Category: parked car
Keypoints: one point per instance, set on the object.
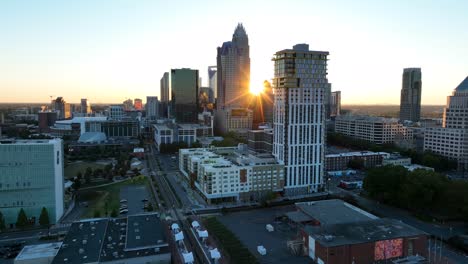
(144, 200)
(123, 201)
(123, 211)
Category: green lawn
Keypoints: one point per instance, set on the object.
(98, 197)
(72, 169)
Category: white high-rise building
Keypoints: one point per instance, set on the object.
(152, 107)
(300, 84)
(31, 177)
(451, 140)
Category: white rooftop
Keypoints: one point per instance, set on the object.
(39, 251)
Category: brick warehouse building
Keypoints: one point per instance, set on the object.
(334, 232)
(363, 242)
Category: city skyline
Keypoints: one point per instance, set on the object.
(82, 50)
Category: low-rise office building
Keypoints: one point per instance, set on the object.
(237, 120)
(397, 160)
(378, 130)
(260, 140)
(231, 173)
(168, 133)
(31, 177)
(340, 161)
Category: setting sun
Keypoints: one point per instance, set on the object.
(256, 88)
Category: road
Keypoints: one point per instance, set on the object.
(172, 205)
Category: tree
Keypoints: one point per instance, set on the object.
(76, 184)
(44, 218)
(22, 220)
(97, 213)
(150, 207)
(114, 213)
(79, 175)
(88, 174)
(2, 222)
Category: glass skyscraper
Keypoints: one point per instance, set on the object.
(184, 89)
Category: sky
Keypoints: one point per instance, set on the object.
(111, 50)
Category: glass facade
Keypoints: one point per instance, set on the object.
(184, 88)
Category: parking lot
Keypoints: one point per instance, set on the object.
(134, 194)
(249, 226)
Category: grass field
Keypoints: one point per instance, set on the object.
(110, 194)
(72, 169)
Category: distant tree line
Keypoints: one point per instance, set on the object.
(230, 139)
(438, 162)
(421, 191)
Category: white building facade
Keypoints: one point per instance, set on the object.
(378, 130)
(300, 85)
(152, 107)
(221, 174)
(31, 177)
(451, 140)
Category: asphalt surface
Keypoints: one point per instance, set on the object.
(250, 228)
(134, 194)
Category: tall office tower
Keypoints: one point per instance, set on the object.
(85, 106)
(138, 104)
(451, 140)
(206, 98)
(152, 107)
(62, 108)
(300, 83)
(184, 95)
(410, 100)
(335, 104)
(128, 104)
(164, 92)
(31, 178)
(233, 65)
(213, 79)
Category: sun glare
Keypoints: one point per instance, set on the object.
(256, 88)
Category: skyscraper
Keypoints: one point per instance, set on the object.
(335, 104)
(213, 79)
(184, 89)
(152, 107)
(62, 108)
(85, 106)
(138, 104)
(164, 91)
(300, 83)
(233, 65)
(410, 100)
(451, 140)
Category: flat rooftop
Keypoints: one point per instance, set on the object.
(103, 240)
(48, 250)
(329, 212)
(83, 242)
(138, 225)
(357, 154)
(361, 232)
